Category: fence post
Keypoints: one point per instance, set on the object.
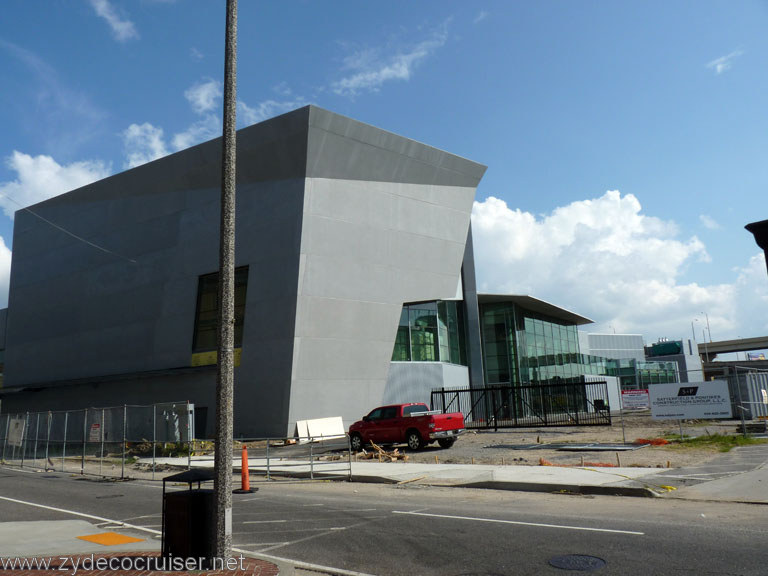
(64, 444)
(125, 431)
(311, 462)
(268, 459)
(349, 457)
(37, 437)
(7, 429)
(493, 410)
(24, 443)
(101, 452)
(85, 438)
(735, 378)
(154, 437)
(48, 439)
(189, 438)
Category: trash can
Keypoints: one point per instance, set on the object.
(189, 524)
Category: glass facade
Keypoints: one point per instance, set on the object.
(520, 347)
(523, 347)
(431, 332)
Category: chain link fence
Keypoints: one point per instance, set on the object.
(96, 440)
(749, 398)
(114, 441)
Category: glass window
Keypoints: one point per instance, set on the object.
(424, 339)
(389, 412)
(206, 318)
(402, 351)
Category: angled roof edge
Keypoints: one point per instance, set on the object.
(535, 305)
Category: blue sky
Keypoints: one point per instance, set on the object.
(625, 141)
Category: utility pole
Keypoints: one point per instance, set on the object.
(226, 319)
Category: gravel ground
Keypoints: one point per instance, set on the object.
(504, 446)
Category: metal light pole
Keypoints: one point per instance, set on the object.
(709, 332)
(226, 319)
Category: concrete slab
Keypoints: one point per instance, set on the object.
(60, 537)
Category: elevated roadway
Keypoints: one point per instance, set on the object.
(708, 350)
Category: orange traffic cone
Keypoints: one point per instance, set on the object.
(245, 480)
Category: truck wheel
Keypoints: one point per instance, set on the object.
(356, 442)
(413, 439)
(446, 442)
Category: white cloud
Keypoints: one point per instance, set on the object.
(709, 222)
(720, 65)
(204, 129)
(605, 259)
(248, 115)
(373, 67)
(143, 143)
(41, 177)
(196, 54)
(122, 28)
(204, 97)
(480, 17)
(282, 89)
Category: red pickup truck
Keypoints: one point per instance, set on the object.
(412, 424)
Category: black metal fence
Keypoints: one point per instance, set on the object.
(579, 404)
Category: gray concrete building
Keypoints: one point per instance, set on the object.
(338, 225)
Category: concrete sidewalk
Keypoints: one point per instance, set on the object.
(740, 475)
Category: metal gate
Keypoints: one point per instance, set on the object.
(577, 404)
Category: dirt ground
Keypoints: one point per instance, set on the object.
(505, 446)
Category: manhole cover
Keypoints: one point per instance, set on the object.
(577, 562)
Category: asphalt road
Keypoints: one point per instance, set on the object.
(389, 530)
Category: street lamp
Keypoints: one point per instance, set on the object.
(708, 330)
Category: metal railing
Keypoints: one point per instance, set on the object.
(572, 404)
(274, 458)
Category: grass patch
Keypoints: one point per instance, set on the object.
(720, 442)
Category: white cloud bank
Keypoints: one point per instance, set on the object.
(41, 177)
(606, 260)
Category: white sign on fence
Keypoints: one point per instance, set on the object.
(635, 399)
(683, 401)
(16, 431)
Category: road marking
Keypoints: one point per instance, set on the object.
(302, 565)
(81, 514)
(298, 564)
(18, 469)
(264, 521)
(250, 499)
(536, 524)
(262, 544)
(145, 516)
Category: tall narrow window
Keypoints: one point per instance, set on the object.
(206, 332)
